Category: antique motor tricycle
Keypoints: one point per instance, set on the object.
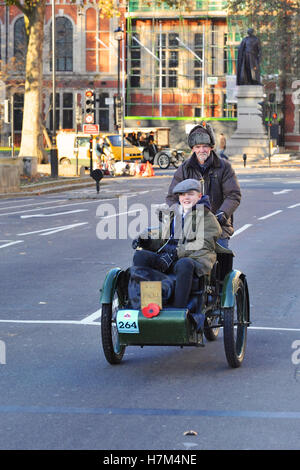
(221, 298)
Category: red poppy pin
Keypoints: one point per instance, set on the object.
(152, 310)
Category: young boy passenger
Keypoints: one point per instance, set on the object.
(185, 241)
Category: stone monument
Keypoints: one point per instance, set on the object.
(250, 137)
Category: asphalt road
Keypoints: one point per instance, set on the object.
(58, 391)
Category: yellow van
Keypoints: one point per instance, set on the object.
(113, 142)
(72, 146)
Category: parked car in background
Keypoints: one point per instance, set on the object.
(73, 148)
(154, 142)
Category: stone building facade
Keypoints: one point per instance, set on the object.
(175, 65)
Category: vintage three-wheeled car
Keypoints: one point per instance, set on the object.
(221, 298)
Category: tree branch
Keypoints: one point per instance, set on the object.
(19, 5)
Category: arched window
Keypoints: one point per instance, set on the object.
(64, 45)
(20, 43)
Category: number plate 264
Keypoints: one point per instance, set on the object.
(127, 321)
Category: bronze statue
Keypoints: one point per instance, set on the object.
(249, 55)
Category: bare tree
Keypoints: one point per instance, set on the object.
(32, 135)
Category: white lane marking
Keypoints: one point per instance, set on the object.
(120, 213)
(98, 201)
(19, 200)
(283, 191)
(51, 230)
(240, 230)
(50, 322)
(52, 215)
(80, 322)
(33, 204)
(92, 317)
(294, 205)
(271, 328)
(269, 215)
(10, 243)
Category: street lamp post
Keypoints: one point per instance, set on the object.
(53, 152)
(118, 34)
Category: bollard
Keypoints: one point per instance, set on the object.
(97, 175)
(245, 159)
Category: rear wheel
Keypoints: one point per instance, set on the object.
(163, 161)
(211, 333)
(236, 320)
(110, 337)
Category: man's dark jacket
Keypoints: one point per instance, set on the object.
(220, 184)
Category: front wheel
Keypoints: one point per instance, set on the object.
(110, 337)
(236, 321)
(163, 161)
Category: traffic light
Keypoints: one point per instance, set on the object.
(274, 116)
(89, 117)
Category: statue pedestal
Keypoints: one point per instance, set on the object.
(250, 136)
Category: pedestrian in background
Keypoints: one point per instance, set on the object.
(222, 146)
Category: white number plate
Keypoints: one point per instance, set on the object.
(127, 321)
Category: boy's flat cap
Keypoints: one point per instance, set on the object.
(188, 185)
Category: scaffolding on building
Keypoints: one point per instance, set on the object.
(196, 51)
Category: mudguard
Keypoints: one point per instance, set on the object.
(230, 287)
(109, 284)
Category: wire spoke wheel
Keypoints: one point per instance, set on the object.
(235, 327)
(109, 332)
(163, 161)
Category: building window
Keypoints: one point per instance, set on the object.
(170, 60)
(103, 112)
(230, 52)
(198, 49)
(57, 103)
(64, 45)
(214, 49)
(67, 110)
(225, 54)
(64, 111)
(229, 109)
(20, 43)
(135, 68)
(18, 111)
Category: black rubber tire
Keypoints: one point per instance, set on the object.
(235, 327)
(211, 334)
(110, 339)
(163, 161)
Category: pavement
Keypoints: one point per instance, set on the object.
(67, 179)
